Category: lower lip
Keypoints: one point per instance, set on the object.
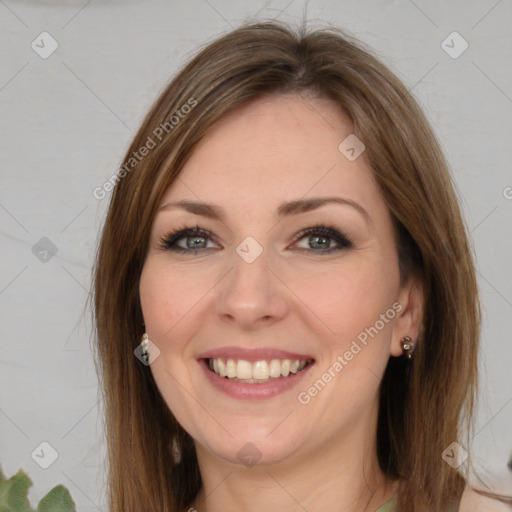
(245, 391)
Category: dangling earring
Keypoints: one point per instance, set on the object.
(142, 351)
(407, 346)
(145, 347)
(176, 452)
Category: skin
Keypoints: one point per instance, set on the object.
(272, 150)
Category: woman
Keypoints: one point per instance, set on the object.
(285, 255)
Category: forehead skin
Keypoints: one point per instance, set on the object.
(276, 149)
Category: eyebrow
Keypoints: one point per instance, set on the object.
(296, 207)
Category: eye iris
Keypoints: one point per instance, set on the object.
(320, 237)
(194, 244)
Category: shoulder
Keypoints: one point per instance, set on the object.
(472, 501)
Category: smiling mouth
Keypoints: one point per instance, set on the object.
(257, 372)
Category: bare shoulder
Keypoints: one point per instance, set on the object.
(473, 501)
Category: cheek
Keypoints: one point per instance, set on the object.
(348, 300)
(172, 300)
(153, 297)
(165, 296)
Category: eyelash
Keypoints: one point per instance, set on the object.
(168, 241)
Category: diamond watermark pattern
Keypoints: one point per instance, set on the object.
(454, 45)
(351, 147)
(44, 455)
(454, 455)
(249, 454)
(249, 249)
(44, 250)
(44, 45)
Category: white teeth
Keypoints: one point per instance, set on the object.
(222, 368)
(259, 371)
(275, 368)
(243, 370)
(231, 369)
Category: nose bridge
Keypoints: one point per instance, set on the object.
(251, 291)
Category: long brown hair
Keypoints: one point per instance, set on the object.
(426, 404)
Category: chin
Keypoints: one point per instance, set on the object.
(253, 452)
(263, 445)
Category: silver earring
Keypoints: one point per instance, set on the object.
(407, 346)
(145, 347)
(176, 453)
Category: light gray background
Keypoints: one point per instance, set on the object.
(67, 120)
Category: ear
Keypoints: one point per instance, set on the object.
(409, 319)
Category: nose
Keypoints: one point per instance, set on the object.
(252, 295)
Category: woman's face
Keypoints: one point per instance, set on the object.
(257, 295)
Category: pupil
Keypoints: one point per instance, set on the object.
(325, 245)
(194, 244)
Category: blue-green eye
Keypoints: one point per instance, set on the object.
(196, 239)
(317, 236)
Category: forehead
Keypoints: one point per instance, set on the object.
(273, 149)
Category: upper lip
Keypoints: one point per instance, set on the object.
(252, 354)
